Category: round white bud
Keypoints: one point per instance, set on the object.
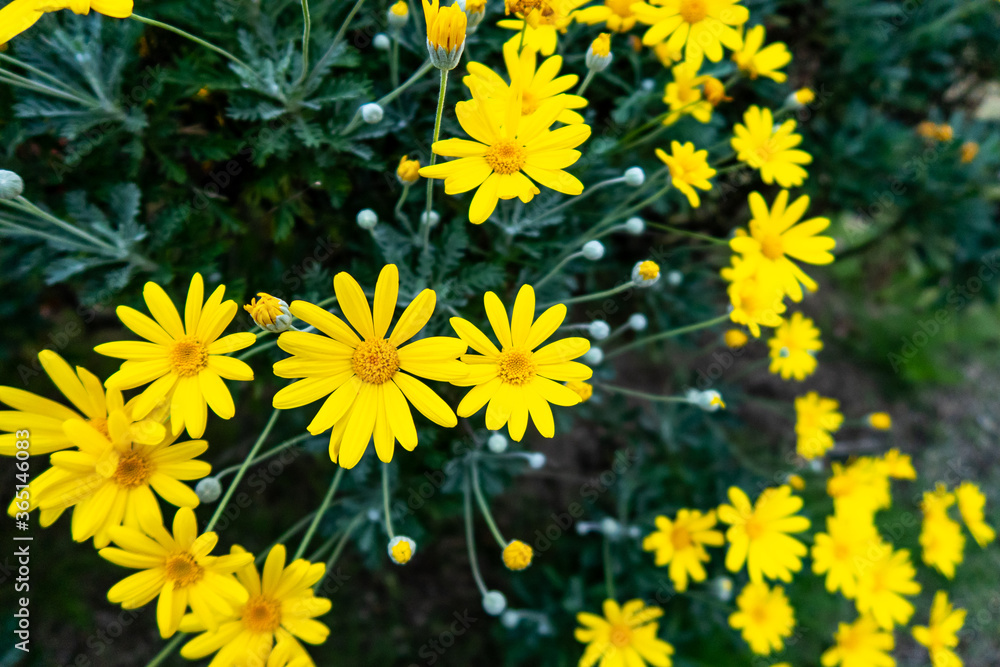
(593, 357)
(497, 443)
(494, 603)
(648, 84)
(635, 226)
(635, 176)
(599, 330)
(208, 489)
(638, 322)
(593, 250)
(610, 528)
(11, 185)
(722, 588)
(536, 460)
(675, 278)
(401, 549)
(434, 218)
(510, 618)
(382, 42)
(371, 113)
(367, 218)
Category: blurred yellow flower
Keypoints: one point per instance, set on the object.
(617, 15)
(516, 379)
(20, 15)
(880, 421)
(941, 539)
(861, 487)
(735, 338)
(583, 389)
(688, 169)
(887, 576)
(860, 644)
(680, 543)
(367, 379)
(816, 419)
(969, 151)
(971, 502)
(715, 91)
(546, 20)
(701, 27)
(940, 635)
(770, 149)
(755, 61)
(685, 97)
(899, 466)
(517, 555)
(626, 635)
(793, 348)
(760, 535)
(408, 171)
(764, 616)
(757, 300)
(185, 361)
(840, 553)
(279, 612)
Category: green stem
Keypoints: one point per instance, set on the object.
(242, 471)
(470, 542)
(319, 513)
(306, 30)
(385, 501)
(18, 230)
(339, 549)
(37, 72)
(609, 577)
(399, 209)
(26, 206)
(586, 82)
(167, 650)
(641, 394)
(196, 40)
(566, 260)
(684, 232)
(28, 84)
(382, 101)
(291, 442)
(483, 507)
(663, 335)
(576, 200)
(599, 295)
(298, 527)
(394, 61)
(442, 89)
(343, 27)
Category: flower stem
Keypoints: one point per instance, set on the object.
(586, 82)
(37, 72)
(24, 82)
(26, 206)
(399, 209)
(394, 61)
(469, 541)
(325, 505)
(558, 267)
(242, 471)
(641, 394)
(306, 30)
(389, 97)
(663, 335)
(196, 40)
(385, 501)
(167, 650)
(297, 528)
(291, 442)
(599, 295)
(341, 543)
(684, 232)
(483, 507)
(442, 89)
(609, 577)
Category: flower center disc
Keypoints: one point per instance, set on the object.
(183, 569)
(262, 614)
(375, 361)
(772, 247)
(754, 528)
(680, 538)
(506, 157)
(693, 11)
(621, 636)
(188, 357)
(516, 367)
(133, 470)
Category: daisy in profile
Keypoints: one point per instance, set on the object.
(971, 502)
(506, 151)
(888, 577)
(779, 235)
(770, 149)
(178, 570)
(625, 635)
(114, 479)
(279, 613)
(860, 644)
(44, 418)
(837, 552)
(793, 348)
(764, 616)
(365, 375)
(688, 169)
(701, 27)
(519, 378)
(816, 419)
(755, 61)
(759, 535)
(184, 360)
(539, 84)
(680, 543)
(940, 635)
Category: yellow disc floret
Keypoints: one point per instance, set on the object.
(506, 157)
(515, 366)
(188, 357)
(375, 361)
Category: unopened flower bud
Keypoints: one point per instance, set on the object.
(635, 226)
(800, 98)
(371, 113)
(536, 460)
(610, 528)
(638, 322)
(401, 549)
(270, 313)
(645, 274)
(599, 329)
(880, 421)
(593, 356)
(446, 28)
(408, 171)
(497, 443)
(735, 338)
(367, 219)
(475, 12)
(382, 42)
(675, 278)
(709, 400)
(431, 219)
(599, 54)
(593, 250)
(517, 555)
(635, 176)
(11, 185)
(208, 490)
(494, 603)
(398, 14)
(722, 588)
(582, 389)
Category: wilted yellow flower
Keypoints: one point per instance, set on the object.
(517, 555)
(408, 171)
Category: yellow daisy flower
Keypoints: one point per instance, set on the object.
(516, 379)
(367, 377)
(44, 418)
(940, 635)
(793, 348)
(681, 543)
(626, 635)
(757, 300)
(701, 27)
(759, 535)
(971, 502)
(837, 553)
(688, 169)
(770, 149)
(546, 19)
(861, 488)
(266, 629)
(755, 61)
(178, 570)
(539, 84)
(777, 237)
(894, 464)
(20, 15)
(185, 360)
(764, 616)
(506, 151)
(860, 644)
(114, 478)
(617, 15)
(685, 95)
(885, 579)
(941, 539)
(817, 418)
